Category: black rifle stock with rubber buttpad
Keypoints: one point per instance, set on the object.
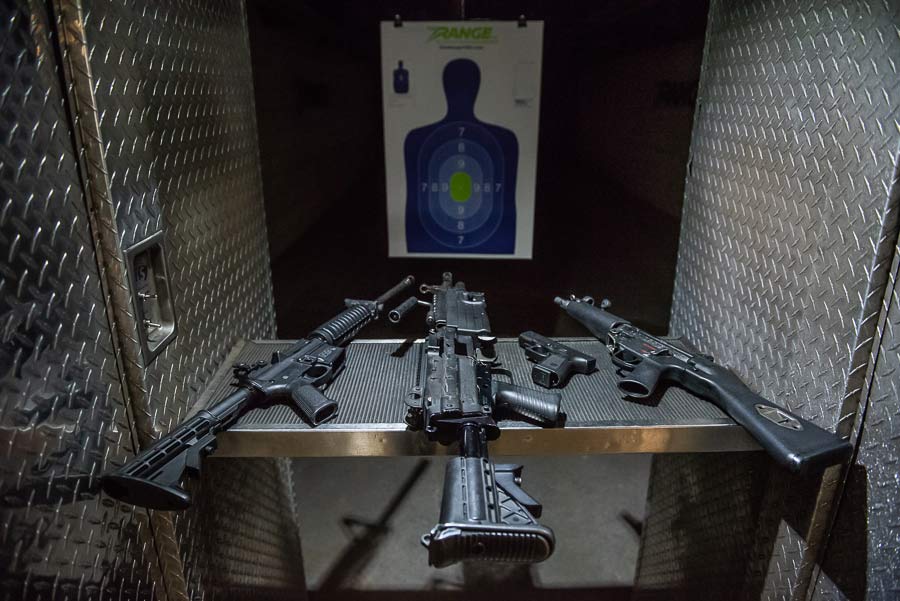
(152, 478)
(485, 515)
(645, 360)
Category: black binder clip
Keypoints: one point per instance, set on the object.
(522, 21)
(398, 22)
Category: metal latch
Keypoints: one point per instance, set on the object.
(151, 294)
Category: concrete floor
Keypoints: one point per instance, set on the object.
(592, 503)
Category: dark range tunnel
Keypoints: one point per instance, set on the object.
(617, 101)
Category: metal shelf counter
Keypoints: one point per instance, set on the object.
(371, 394)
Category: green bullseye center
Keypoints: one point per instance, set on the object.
(460, 186)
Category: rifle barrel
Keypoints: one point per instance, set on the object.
(402, 285)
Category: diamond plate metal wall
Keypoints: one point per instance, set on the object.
(163, 99)
(173, 94)
(249, 546)
(680, 560)
(63, 418)
(862, 559)
(786, 241)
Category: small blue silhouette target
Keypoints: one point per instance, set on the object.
(461, 176)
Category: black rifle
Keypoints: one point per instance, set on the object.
(151, 479)
(644, 360)
(553, 361)
(485, 515)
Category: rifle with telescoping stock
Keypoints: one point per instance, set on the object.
(485, 515)
(643, 360)
(294, 377)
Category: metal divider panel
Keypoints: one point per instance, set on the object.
(787, 233)
(786, 203)
(62, 415)
(246, 532)
(680, 560)
(173, 89)
(174, 94)
(862, 559)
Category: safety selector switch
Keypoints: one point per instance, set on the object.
(151, 293)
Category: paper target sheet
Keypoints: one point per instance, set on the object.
(461, 105)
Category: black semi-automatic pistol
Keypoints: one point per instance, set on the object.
(554, 361)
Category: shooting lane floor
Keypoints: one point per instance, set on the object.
(591, 503)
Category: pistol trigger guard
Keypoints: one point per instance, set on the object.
(622, 365)
(624, 359)
(537, 353)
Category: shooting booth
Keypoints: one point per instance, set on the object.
(726, 173)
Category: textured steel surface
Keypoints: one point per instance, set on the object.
(862, 558)
(249, 547)
(174, 99)
(164, 103)
(787, 233)
(786, 217)
(372, 389)
(684, 554)
(825, 588)
(63, 418)
(879, 454)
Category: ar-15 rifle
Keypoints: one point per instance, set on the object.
(484, 513)
(152, 478)
(644, 360)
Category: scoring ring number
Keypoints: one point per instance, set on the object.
(779, 417)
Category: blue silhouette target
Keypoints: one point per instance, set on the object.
(461, 176)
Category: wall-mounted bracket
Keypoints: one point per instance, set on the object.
(151, 295)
